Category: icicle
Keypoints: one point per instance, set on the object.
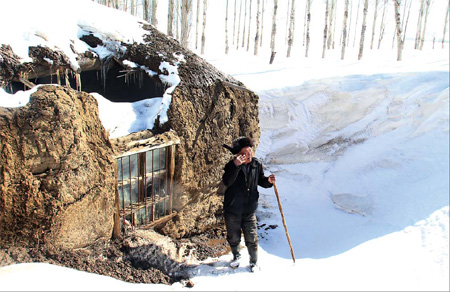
(78, 80)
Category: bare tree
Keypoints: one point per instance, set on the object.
(287, 21)
(363, 29)
(274, 31)
(445, 24)
(307, 27)
(399, 30)
(356, 23)
(330, 26)
(405, 24)
(257, 27)
(245, 19)
(234, 21)
(291, 29)
(382, 26)
(239, 25)
(186, 6)
(419, 26)
(350, 24)
(154, 14)
(249, 24)
(177, 19)
(226, 30)
(344, 30)
(325, 30)
(374, 23)
(197, 21)
(145, 10)
(262, 23)
(170, 19)
(205, 6)
(422, 39)
(304, 23)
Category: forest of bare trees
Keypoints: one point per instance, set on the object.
(342, 23)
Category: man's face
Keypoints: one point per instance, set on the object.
(248, 153)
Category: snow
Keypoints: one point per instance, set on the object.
(361, 154)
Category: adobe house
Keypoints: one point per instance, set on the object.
(64, 182)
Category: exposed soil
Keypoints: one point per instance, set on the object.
(111, 259)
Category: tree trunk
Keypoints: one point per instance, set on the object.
(245, 19)
(262, 24)
(274, 30)
(307, 27)
(382, 24)
(330, 26)
(197, 21)
(287, 21)
(170, 19)
(325, 30)
(249, 24)
(257, 27)
(363, 29)
(177, 19)
(399, 30)
(145, 10)
(445, 24)
(154, 14)
(407, 19)
(304, 23)
(350, 23)
(239, 25)
(419, 26)
(291, 29)
(205, 6)
(374, 23)
(226, 30)
(422, 39)
(186, 6)
(234, 22)
(344, 30)
(356, 23)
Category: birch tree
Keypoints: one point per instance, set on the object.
(249, 24)
(197, 22)
(399, 30)
(374, 23)
(262, 23)
(205, 6)
(382, 27)
(356, 23)
(234, 22)
(350, 24)
(330, 26)
(258, 3)
(445, 23)
(154, 13)
(245, 19)
(363, 29)
(308, 20)
(226, 30)
(177, 19)
(422, 39)
(170, 19)
(344, 30)
(186, 6)
(291, 28)
(239, 25)
(274, 31)
(325, 30)
(145, 15)
(419, 26)
(287, 21)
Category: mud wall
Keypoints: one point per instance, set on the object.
(57, 177)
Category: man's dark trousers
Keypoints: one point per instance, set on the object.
(247, 223)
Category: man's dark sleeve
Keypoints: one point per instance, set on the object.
(262, 179)
(231, 173)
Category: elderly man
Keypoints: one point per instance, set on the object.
(242, 176)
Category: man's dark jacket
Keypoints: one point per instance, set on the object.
(241, 196)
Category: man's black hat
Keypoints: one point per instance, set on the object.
(240, 143)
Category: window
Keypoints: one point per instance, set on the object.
(145, 185)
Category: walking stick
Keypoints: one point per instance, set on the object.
(284, 222)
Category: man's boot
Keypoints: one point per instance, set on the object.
(236, 257)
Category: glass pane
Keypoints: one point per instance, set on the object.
(134, 191)
(119, 169)
(149, 161)
(162, 158)
(134, 165)
(149, 188)
(149, 213)
(126, 194)
(156, 160)
(126, 167)
(120, 197)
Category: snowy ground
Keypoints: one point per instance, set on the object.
(361, 154)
